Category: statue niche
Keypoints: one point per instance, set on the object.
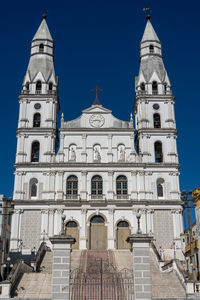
(97, 153)
(121, 153)
(72, 152)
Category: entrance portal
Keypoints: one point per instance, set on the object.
(97, 234)
(72, 229)
(123, 231)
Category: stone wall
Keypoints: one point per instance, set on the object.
(31, 228)
(163, 228)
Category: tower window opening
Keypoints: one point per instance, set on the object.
(165, 87)
(72, 186)
(41, 48)
(154, 87)
(151, 48)
(158, 152)
(96, 186)
(142, 86)
(27, 86)
(156, 121)
(33, 187)
(36, 120)
(38, 86)
(35, 152)
(121, 185)
(50, 86)
(160, 187)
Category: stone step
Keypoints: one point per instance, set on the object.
(165, 285)
(34, 285)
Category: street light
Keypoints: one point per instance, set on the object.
(138, 216)
(7, 266)
(63, 224)
(185, 197)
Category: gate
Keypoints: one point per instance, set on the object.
(101, 283)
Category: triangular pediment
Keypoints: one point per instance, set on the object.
(96, 109)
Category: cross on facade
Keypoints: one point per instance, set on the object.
(96, 90)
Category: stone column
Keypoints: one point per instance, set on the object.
(141, 265)
(61, 266)
(110, 154)
(83, 192)
(110, 192)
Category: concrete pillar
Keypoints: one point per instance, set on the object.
(61, 266)
(141, 265)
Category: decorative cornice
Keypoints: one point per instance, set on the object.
(96, 165)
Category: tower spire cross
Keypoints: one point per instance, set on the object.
(147, 10)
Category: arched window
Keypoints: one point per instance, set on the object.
(33, 187)
(160, 187)
(151, 48)
(156, 121)
(36, 120)
(35, 152)
(97, 219)
(41, 48)
(71, 224)
(154, 87)
(142, 86)
(121, 185)
(158, 152)
(96, 186)
(38, 86)
(27, 86)
(50, 86)
(122, 224)
(72, 186)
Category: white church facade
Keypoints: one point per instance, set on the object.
(104, 169)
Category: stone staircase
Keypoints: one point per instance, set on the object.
(38, 285)
(165, 284)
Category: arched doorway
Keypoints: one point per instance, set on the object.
(97, 233)
(123, 231)
(71, 228)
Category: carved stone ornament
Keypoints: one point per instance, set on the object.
(97, 120)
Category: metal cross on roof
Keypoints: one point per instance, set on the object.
(96, 90)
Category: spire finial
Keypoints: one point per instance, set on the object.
(44, 16)
(148, 12)
(96, 90)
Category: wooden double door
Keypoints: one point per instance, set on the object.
(97, 234)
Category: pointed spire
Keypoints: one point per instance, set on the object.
(43, 30)
(149, 33)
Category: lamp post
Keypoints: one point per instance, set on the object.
(7, 267)
(63, 217)
(138, 216)
(185, 197)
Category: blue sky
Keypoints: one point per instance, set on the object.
(98, 42)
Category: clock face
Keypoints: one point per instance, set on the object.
(37, 106)
(156, 106)
(97, 120)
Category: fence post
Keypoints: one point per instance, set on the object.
(141, 265)
(61, 266)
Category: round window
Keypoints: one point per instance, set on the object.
(156, 106)
(37, 105)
